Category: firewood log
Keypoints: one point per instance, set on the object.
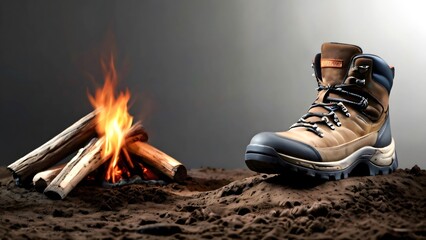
(158, 160)
(87, 159)
(42, 179)
(53, 151)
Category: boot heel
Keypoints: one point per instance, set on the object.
(384, 160)
(384, 156)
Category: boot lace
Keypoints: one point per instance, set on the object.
(333, 105)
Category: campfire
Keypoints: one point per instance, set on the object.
(106, 140)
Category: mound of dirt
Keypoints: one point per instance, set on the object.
(221, 203)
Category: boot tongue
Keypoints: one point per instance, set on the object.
(335, 60)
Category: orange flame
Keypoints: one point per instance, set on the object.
(113, 119)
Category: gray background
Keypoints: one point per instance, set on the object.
(205, 75)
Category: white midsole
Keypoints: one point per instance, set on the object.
(378, 156)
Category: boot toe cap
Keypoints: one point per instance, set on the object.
(286, 146)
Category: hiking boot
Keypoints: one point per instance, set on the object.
(347, 127)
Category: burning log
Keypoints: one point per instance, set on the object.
(53, 151)
(158, 160)
(87, 160)
(42, 179)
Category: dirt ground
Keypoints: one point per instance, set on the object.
(224, 204)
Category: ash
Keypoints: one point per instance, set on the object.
(133, 180)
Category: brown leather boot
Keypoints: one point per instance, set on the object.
(347, 125)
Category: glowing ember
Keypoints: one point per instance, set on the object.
(113, 120)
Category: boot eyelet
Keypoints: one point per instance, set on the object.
(360, 82)
(363, 68)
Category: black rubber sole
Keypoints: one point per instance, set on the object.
(264, 159)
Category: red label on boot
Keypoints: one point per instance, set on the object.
(333, 63)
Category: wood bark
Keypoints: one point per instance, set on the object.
(53, 151)
(42, 179)
(158, 160)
